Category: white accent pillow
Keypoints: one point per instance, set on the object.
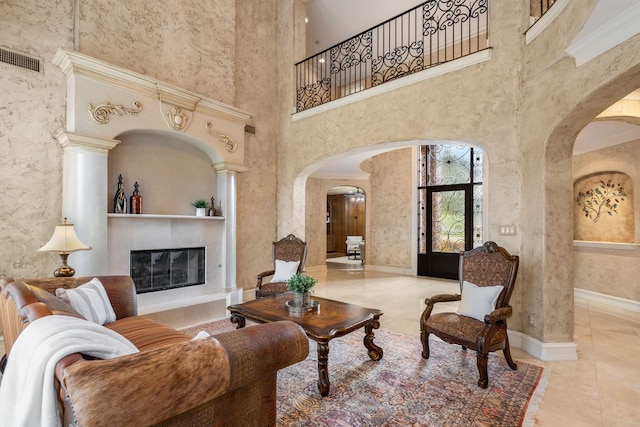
(284, 270)
(478, 301)
(90, 301)
(201, 335)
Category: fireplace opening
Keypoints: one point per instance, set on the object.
(162, 269)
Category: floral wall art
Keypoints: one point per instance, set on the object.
(603, 208)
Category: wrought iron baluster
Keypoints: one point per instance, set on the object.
(443, 29)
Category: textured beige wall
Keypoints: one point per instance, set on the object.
(611, 271)
(256, 91)
(31, 109)
(389, 239)
(188, 43)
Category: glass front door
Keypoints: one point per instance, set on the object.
(450, 208)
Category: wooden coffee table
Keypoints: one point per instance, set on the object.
(330, 320)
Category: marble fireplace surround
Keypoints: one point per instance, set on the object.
(106, 101)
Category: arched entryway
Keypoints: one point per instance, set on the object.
(557, 269)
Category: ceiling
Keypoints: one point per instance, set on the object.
(331, 22)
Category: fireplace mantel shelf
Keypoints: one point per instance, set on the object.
(148, 216)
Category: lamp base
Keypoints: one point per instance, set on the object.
(64, 270)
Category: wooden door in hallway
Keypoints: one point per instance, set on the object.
(345, 217)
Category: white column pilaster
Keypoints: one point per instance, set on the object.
(227, 195)
(84, 197)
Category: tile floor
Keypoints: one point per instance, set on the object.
(601, 388)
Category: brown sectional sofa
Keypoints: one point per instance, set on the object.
(227, 380)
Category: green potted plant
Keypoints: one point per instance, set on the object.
(201, 207)
(300, 284)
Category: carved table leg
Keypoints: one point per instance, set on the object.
(323, 368)
(375, 352)
(238, 320)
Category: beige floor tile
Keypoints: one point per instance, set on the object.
(557, 403)
(600, 389)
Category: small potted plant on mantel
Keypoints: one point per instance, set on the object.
(201, 207)
(300, 284)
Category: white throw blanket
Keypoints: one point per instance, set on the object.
(27, 393)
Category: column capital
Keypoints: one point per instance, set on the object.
(229, 167)
(70, 141)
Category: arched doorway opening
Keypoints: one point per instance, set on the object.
(558, 195)
(346, 223)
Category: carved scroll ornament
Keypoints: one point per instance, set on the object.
(229, 144)
(101, 112)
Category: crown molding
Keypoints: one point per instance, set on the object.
(615, 31)
(74, 63)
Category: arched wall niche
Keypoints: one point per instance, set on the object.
(604, 207)
(172, 170)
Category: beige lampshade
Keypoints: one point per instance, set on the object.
(64, 240)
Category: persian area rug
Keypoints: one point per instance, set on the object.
(402, 389)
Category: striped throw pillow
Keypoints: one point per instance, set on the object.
(90, 300)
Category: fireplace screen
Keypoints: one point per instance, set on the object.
(161, 269)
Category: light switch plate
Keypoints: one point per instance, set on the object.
(508, 230)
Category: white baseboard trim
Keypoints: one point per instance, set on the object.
(567, 350)
(548, 352)
(612, 301)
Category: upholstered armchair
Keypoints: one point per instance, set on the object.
(487, 276)
(289, 256)
(353, 245)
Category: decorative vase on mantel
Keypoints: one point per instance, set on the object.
(120, 200)
(136, 200)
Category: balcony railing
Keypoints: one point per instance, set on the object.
(433, 33)
(539, 8)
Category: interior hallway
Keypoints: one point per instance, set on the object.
(601, 388)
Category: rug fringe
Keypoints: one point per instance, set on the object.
(529, 418)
